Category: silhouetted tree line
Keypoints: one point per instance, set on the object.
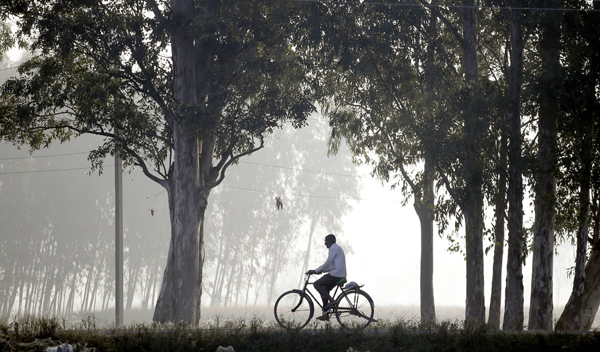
(466, 103)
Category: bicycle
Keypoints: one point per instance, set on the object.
(353, 308)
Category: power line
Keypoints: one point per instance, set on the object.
(477, 7)
(241, 162)
(309, 196)
(42, 156)
(55, 170)
(226, 186)
(304, 170)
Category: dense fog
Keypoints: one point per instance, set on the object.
(57, 237)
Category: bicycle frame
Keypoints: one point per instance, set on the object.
(306, 290)
(353, 308)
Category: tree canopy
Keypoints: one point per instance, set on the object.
(180, 89)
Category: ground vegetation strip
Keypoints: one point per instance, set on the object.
(256, 335)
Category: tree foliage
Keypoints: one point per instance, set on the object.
(105, 69)
(180, 89)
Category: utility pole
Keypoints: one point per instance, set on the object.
(118, 241)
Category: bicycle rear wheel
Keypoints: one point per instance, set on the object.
(293, 310)
(355, 310)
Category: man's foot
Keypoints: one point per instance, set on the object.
(324, 317)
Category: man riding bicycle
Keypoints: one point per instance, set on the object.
(335, 266)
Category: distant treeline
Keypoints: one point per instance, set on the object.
(57, 234)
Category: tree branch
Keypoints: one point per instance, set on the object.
(158, 14)
(449, 187)
(439, 15)
(224, 164)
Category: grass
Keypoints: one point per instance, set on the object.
(256, 334)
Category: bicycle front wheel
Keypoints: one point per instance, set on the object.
(355, 310)
(293, 310)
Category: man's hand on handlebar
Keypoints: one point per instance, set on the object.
(311, 272)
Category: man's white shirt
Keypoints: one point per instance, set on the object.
(335, 263)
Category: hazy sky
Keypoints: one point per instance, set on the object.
(385, 236)
(385, 239)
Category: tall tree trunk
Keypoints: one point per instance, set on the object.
(221, 273)
(181, 290)
(514, 300)
(21, 294)
(106, 297)
(591, 288)
(231, 277)
(27, 292)
(541, 306)
(155, 285)
(87, 290)
(575, 318)
(12, 292)
(251, 276)
(473, 203)
(424, 193)
(71, 299)
(590, 299)
(95, 294)
(475, 303)
(131, 284)
(216, 289)
(150, 282)
(238, 289)
(425, 210)
(47, 292)
(582, 232)
(313, 223)
(500, 207)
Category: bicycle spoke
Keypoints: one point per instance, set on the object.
(293, 310)
(355, 310)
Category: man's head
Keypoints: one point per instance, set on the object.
(329, 240)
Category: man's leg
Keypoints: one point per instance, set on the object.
(325, 284)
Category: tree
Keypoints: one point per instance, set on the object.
(513, 316)
(545, 182)
(104, 69)
(497, 189)
(389, 120)
(409, 93)
(463, 167)
(472, 203)
(578, 164)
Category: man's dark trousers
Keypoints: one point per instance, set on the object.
(324, 285)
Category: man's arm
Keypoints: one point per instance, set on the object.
(333, 250)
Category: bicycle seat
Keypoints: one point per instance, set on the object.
(341, 282)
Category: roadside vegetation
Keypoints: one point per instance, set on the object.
(29, 333)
